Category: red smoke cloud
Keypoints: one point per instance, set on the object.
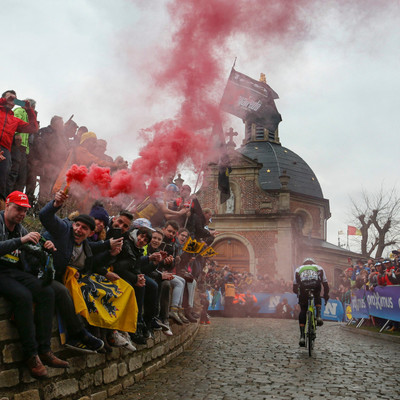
(193, 67)
(76, 174)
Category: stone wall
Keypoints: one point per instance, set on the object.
(90, 376)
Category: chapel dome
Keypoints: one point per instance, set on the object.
(275, 160)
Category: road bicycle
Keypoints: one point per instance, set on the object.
(311, 322)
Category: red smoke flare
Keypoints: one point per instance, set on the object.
(193, 66)
(99, 177)
(76, 174)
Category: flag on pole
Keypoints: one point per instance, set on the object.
(247, 99)
(352, 230)
(193, 246)
(208, 252)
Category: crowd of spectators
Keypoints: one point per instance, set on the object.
(113, 278)
(216, 277)
(34, 157)
(368, 274)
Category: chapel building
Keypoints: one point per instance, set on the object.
(276, 215)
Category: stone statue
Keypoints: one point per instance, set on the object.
(230, 204)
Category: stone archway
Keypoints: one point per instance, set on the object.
(236, 251)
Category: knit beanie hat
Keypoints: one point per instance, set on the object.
(99, 212)
(86, 219)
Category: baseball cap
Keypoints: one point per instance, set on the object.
(142, 223)
(18, 198)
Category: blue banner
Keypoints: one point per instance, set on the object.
(267, 302)
(383, 302)
(333, 311)
(359, 305)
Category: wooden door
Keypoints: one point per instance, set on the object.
(233, 253)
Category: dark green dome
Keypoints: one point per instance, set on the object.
(275, 160)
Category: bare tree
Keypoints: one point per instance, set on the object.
(377, 216)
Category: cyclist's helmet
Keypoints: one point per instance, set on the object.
(308, 261)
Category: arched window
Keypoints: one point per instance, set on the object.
(304, 221)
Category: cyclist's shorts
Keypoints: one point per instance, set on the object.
(303, 297)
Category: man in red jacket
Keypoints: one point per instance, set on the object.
(9, 124)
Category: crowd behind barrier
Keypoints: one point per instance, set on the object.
(368, 291)
(364, 290)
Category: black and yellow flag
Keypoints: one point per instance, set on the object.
(193, 246)
(208, 252)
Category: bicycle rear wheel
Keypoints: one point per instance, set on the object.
(310, 333)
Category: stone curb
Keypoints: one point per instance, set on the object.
(382, 336)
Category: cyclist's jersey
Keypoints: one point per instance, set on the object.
(309, 276)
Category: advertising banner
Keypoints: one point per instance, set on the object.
(333, 311)
(359, 305)
(268, 303)
(383, 302)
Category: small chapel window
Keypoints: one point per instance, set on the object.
(260, 133)
(271, 135)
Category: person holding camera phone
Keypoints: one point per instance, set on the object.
(133, 266)
(75, 252)
(9, 124)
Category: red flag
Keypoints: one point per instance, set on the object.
(352, 230)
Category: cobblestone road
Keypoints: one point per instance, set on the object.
(240, 359)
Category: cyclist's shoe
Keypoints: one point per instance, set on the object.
(320, 322)
(302, 341)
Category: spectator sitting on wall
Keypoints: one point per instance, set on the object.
(23, 289)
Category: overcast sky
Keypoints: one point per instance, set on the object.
(338, 83)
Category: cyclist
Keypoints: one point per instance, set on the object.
(309, 276)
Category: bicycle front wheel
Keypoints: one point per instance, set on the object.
(310, 333)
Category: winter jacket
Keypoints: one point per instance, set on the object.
(9, 124)
(9, 256)
(60, 232)
(131, 261)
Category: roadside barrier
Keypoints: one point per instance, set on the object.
(268, 302)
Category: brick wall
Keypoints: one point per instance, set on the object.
(252, 198)
(90, 376)
(263, 243)
(316, 214)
